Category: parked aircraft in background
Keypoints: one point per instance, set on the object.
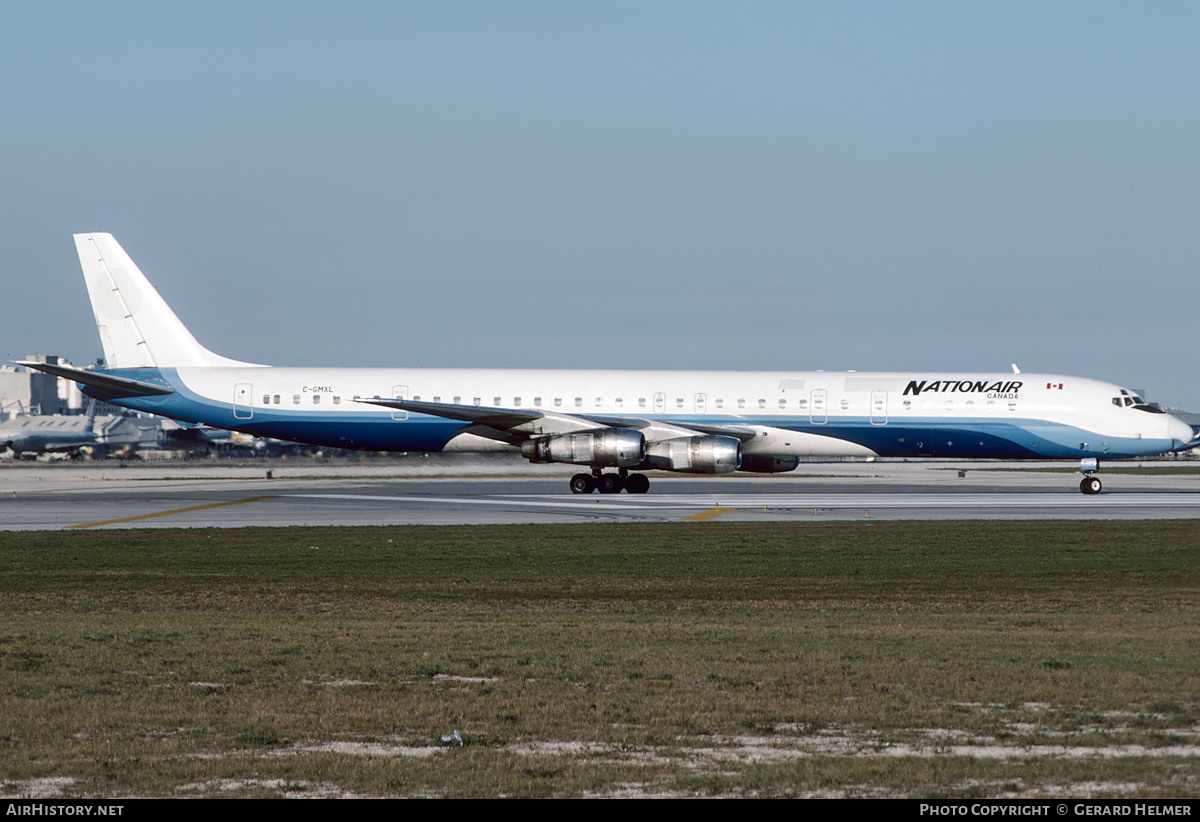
(614, 424)
(206, 438)
(41, 433)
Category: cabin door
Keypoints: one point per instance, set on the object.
(243, 401)
(879, 402)
(818, 410)
(399, 392)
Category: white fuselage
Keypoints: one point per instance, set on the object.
(792, 413)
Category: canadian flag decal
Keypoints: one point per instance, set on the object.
(1052, 385)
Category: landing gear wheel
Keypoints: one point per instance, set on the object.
(582, 484)
(1090, 485)
(637, 484)
(610, 483)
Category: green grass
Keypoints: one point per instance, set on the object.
(727, 659)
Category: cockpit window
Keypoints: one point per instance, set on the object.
(1129, 400)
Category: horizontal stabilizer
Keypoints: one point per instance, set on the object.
(115, 386)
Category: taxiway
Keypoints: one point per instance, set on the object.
(225, 495)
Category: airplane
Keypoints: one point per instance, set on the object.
(613, 424)
(42, 433)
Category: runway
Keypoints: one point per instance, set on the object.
(101, 496)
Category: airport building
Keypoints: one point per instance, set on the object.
(33, 392)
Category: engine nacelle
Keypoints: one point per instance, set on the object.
(603, 448)
(695, 455)
(767, 464)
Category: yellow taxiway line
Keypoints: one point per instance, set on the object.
(708, 513)
(172, 512)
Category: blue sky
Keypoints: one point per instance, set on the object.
(845, 185)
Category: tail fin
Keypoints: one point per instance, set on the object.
(90, 426)
(137, 328)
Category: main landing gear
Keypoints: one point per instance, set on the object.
(610, 483)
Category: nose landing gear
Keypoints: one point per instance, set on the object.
(1090, 484)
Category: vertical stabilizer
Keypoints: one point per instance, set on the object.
(137, 328)
(90, 424)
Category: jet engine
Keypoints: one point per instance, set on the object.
(695, 455)
(605, 447)
(768, 464)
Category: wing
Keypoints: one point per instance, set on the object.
(515, 425)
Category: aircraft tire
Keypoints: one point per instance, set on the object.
(610, 484)
(582, 484)
(1090, 485)
(637, 484)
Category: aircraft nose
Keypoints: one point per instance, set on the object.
(1180, 432)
